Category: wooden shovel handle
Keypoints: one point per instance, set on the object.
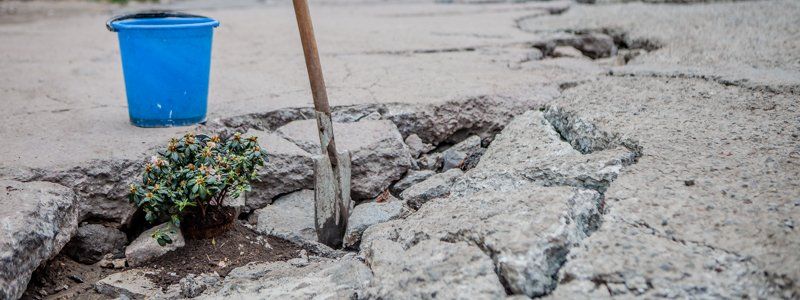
(312, 56)
(324, 122)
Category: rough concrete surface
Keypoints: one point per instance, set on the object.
(662, 164)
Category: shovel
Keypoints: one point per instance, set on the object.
(332, 202)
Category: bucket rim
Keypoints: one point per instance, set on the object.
(126, 21)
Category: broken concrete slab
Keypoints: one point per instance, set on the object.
(145, 248)
(527, 233)
(288, 169)
(379, 155)
(290, 217)
(322, 278)
(702, 179)
(431, 269)
(436, 186)
(37, 220)
(367, 214)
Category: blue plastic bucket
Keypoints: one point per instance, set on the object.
(166, 58)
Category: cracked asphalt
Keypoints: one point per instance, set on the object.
(710, 210)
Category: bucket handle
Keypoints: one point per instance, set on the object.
(149, 14)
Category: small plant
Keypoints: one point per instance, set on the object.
(190, 180)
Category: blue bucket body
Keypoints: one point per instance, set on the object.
(166, 64)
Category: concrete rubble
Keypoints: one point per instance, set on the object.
(37, 220)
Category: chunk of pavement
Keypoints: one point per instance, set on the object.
(436, 186)
(501, 223)
(134, 284)
(145, 248)
(289, 169)
(290, 217)
(93, 241)
(567, 51)
(594, 45)
(417, 146)
(367, 214)
(431, 269)
(193, 285)
(412, 177)
(322, 278)
(456, 156)
(101, 186)
(36, 219)
(530, 149)
(379, 155)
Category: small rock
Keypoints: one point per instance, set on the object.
(594, 45)
(145, 247)
(110, 262)
(417, 146)
(93, 241)
(367, 214)
(431, 161)
(453, 160)
(193, 285)
(412, 177)
(76, 278)
(290, 217)
(437, 186)
(456, 156)
(567, 51)
(301, 261)
(688, 182)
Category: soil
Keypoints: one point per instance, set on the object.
(48, 282)
(232, 249)
(235, 248)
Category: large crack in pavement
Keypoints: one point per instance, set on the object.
(535, 194)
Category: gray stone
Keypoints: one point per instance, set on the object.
(36, 220)
(412, 177)
(289, 169)
(430, 161)
(567, 51)
(290, 217)
(379, 155)
(367, 214)
(322, 278)
(453, 160)
(594, 45)
(194, 285)
(431, 269)
(417, 146)
(134, 284)
(93, 241)
(145, 248)
(436, 186)
(457, 155)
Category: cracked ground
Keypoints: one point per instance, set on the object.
(705, 94)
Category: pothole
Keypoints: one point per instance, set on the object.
(597, 44)
(435, 138)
